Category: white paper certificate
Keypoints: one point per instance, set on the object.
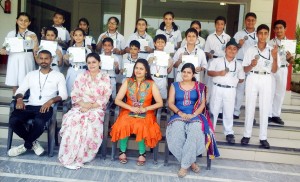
(14, 44)
(49, 46)
(107, 62)
(61, 33)
(143, 43)
(289, 45)
(88, 40)
(128, 69)
(169, 48)
(190, 59)
(162, 58)
(77, 54)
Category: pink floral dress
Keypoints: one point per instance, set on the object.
(82, 132)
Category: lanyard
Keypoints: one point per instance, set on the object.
(220, 39)
(23, 36)
(170, 35)
(42, 88)
(252, 37)
(111, 35)
(143, 36)
(187, 53)
(263, 56)
(228, 68)
(131, 60)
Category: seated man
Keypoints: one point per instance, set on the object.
(44, 84)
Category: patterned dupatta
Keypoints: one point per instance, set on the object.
(207, 126)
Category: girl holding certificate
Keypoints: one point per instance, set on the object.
(19, 45)
(75, 58)
(140, 34)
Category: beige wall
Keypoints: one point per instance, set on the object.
(263, 9)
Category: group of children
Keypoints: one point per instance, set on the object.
(220, 62)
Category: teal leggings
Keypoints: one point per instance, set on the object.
(123, 145)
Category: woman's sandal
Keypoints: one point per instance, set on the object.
(139, 162)
(182, 172)
(122, 160)
(195, 168)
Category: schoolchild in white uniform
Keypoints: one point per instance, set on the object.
(78, 67)
(131, 58)
(201, 41)
(245, 38)
(173, 34)
(226, 73)
(63, 35)
(190, 49)
(259, 61)
(20, 63)
(119, 42)
(57, 60)
(84, 24)
(279, 79)
(108, 46)
(214, 46)
(160, 73)
(140, 32)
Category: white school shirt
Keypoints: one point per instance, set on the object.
(28, 42)
(146, 36)
(200, 43)
(67, 38)
(112, 73)
(128, 59)
(282, 52)
(87, 51)
(162, 70)
(216, 43)
(173, 36)
(236, 71)
(202, 62)
(50, 84)
(265, 61)
(251, 41)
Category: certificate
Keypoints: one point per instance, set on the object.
(50, 46)
(143, 43)
(88, 40)
(61, 33)
(14, 44)
(289, 45)
(107, 62)
(162, 58)
(77, 54)
(169, 48)
(128, 69)
(190, 59)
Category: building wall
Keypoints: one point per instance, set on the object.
(263, 9)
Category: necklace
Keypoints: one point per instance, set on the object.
(41, 88)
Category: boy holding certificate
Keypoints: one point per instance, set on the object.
(279, 79)
(132, 57)
(190, 53)
(110, 62)
(160, 64)
(63, 33)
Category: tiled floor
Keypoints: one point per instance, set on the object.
(30, 167)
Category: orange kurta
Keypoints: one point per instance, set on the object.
(144, 128)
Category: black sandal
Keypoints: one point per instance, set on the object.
(141, 163)
(122, 160)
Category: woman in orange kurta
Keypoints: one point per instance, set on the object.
(137, 114)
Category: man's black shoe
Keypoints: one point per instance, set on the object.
(220, 116)
(236, 117)
(276, 120)
(265, 144)
(245, 140)
(230, 139)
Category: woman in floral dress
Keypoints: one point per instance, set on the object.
(82, 126)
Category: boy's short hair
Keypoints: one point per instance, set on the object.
(160, 37)
(53, 29)
(279, 22)
(108, 39)
(222, 18)
(191, 30)
(262, 26)
(250, 14)
(60, 13)
(135, 43)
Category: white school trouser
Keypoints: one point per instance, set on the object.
(279, 81)
(240, 92)
(258, 85)
(223, 99)
(113, 84)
